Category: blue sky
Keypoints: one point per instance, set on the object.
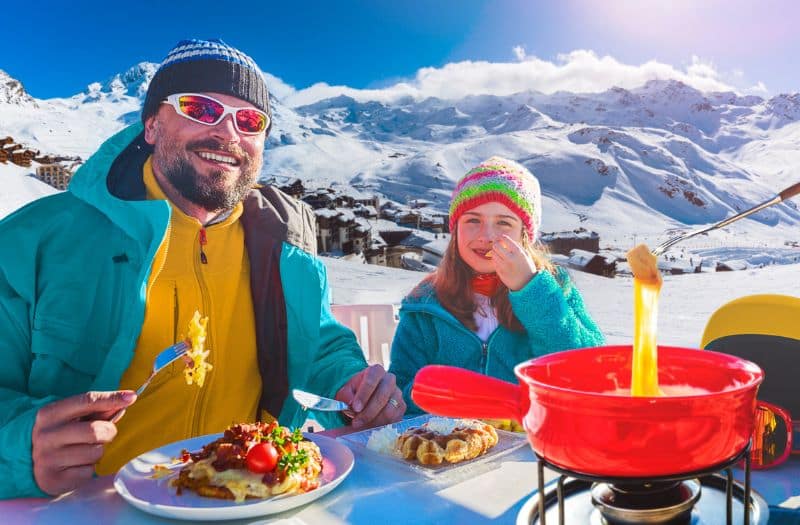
(58, 48)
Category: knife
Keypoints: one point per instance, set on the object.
(324, 404)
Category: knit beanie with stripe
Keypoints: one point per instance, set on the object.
(196, 66)
(504, 181)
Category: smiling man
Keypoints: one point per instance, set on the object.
(165, 220)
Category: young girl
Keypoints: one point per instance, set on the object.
(495, 300)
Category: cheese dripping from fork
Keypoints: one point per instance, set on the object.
(646, 287)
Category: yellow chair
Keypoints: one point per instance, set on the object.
(764, 329)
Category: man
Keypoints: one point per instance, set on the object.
(162, 221)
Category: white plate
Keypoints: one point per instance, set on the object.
(507, 442)
(134, 482)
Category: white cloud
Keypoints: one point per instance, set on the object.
(701, 69)
(277, 87)
(759, 89)
(580, 71)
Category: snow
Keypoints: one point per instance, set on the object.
(634, 164)
(686, 301)
(18, 187)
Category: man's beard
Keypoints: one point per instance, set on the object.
(209, 192)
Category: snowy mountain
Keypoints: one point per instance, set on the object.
(12, 91)
(623, 162)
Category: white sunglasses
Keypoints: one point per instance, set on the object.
(210, 111)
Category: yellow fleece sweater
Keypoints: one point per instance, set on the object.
(179, 284)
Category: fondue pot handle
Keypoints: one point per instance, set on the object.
(457, 392)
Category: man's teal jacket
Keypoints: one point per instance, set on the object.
(73, 275)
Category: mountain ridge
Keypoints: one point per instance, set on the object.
(664, 151)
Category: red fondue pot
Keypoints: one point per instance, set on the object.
(573, 419)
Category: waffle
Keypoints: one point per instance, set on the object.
(468, 440)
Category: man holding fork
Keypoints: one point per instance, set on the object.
(166, 219)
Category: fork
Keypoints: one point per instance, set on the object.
(164, 358)
(788, 193)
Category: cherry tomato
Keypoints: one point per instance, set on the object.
(261, 458)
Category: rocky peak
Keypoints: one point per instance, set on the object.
(12, 91)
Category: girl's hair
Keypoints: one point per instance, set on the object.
(451, 282)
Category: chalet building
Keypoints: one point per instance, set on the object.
(412, 261)
(368, 200)
(293, 187)
(53, 170)
(565, 242)
(434, 223)
(319, 198)
(410, 218)
(430, 251)
(394, 255)
(419, 203)
(674, 266)
(388, 211)
(731, 266)
(56, 175)
(16, 153)
(376, 253)
(394, 237)
(415, 218)
(340, 230)
(591, 262)
(344, 201)
(368, 212)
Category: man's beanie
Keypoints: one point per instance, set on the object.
(207, 66)
(504, 181)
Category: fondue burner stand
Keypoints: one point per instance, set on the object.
(659, 500)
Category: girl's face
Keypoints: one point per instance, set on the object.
(479, 228)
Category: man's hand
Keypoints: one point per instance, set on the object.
(512, 263)
(69, 436)
(374, 396)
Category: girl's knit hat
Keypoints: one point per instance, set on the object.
(504, 181)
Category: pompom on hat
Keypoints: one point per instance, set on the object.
(207, 66)
(504, 181)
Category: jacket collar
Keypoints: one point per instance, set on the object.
(111, 181)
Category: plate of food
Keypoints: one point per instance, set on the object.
(249, 470)
(436, 445)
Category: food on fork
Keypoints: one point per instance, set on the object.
(195, 372)
(644, 265)
(255, 460)
(441, 440)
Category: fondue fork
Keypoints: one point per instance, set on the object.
(788, 193)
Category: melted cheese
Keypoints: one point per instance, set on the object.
(243, 483)
(240, 482)
(646, 287)
(196, 373)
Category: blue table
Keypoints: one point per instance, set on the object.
(780, 487)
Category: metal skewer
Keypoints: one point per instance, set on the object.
(788, 193)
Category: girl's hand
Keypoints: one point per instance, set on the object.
(512, 263)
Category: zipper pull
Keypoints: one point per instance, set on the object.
(203, 242)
